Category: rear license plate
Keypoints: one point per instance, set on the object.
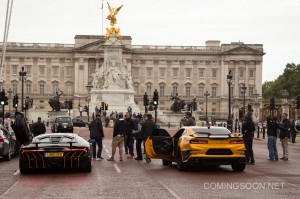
(54, 154)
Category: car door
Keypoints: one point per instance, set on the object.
(159, 145)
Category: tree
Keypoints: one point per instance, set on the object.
(289, 81)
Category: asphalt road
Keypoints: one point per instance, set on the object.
(133, 179)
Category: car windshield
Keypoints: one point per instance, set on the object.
(63, 119)
(212, 131)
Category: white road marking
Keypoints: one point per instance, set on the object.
(170, 190)
(117, 168)
(17, 172)
(9, 189)
(106, 151)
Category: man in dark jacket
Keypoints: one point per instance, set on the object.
(248, 129)
(129, 141)
(285, 135)
(188, 120)
(146, 131)
(272, 127)
(39, 127)
(96, 134)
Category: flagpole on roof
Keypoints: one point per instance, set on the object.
(102, 15)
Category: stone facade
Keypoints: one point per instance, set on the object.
(188, 70)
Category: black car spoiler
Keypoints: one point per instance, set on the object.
(37, 143)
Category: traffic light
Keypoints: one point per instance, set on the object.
(272, 104)
(102, 105)
(155, 98)
(298, 102)
(106, 107)
(70, 104)
(16, 101)
(2, 98)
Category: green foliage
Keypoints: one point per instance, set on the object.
(289, 80)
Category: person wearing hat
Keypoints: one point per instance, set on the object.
(96, 134)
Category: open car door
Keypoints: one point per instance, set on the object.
(159, 145)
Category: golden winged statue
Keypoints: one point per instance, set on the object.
(113, 20)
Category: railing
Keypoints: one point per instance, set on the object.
(196, 48)
(38, 45)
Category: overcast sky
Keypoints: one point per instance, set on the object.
(273, 23)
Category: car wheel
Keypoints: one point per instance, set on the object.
(238, 166)
(167, 162)
(24, 169)
(8, 156)
(86, 166)
(181, 166)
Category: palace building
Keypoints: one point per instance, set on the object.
(190, 71)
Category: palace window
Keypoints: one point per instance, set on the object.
(162, 72)
(188, 72)
(175, 72)
(187, 91)
(201, 72)
(69, 89)
(42, 70)
(214, 73)
(174, 90)
(68, 71)
(42, 89)
(201, 91)
(149, 72)
(55, 71)
(15, 70)
(214, 91)
(15, 88)
(162, 91)
(135, 72)
(28, 70)
(251, 73)
(241, 73)
(149, 90)
(28, 89)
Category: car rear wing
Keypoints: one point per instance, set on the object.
(37, 143)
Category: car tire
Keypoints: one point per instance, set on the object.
(238, 166)
(24, 168)
(8, 156)
(166, 162)
(86, 166)
(181, 166)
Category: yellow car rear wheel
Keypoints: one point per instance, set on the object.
(181, 166)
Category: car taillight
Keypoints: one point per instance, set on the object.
(236, 142)
(194, 141)
(1, 139)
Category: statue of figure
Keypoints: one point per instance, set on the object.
(54, 102)
(113, 20)
(113, 75)
(177, 104)
(112, 14)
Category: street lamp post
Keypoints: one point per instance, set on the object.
(89, 86)
(22, 77)
(229, 120)
(206, 96)
(243, 91)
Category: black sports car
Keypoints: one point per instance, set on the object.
(56, 151)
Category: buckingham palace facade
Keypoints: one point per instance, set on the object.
(189, 71)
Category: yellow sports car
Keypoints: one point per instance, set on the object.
(194, 145)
